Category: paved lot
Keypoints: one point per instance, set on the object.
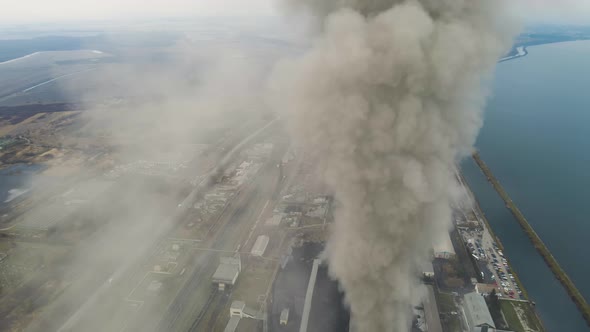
(491, 261)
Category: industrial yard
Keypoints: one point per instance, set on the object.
(125, 209)
(228, 256)
(225, 237)
(152, 213)
(474, 287)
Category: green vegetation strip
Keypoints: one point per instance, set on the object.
(527, 314)
(446, 305)
(446, 302)
(559, 273)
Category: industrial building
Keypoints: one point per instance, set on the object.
(237, 311)
(275, 220)
(309, 295)
(232, 325)
(237, 308)
(487, 329)
(227, 272)
(428, 270)
(260, 245)
(443, 248)
(476, 311)
(486, 288)
(284, 319)
(431, 311)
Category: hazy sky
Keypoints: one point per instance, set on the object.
(31, 11)
(554, 11)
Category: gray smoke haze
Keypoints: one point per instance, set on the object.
(147, 133)
(388, 99)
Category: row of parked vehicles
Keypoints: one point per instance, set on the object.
(477, 250)
(497, 261)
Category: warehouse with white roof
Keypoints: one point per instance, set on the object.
(260, 245)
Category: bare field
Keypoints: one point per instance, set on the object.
(254, 281)
(520, 316)
(21, 260)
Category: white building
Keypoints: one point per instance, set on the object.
(284, 316)
(431, 313)
(237, 311)
(260, 245)
(237, 308)
(428, 270)
(444, 247)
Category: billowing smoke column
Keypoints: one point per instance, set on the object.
(388, 99)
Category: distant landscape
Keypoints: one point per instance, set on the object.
(549, 34)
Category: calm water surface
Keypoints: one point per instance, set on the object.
(536, 140)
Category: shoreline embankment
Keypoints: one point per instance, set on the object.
(521, 52)
(541, 248)
(480, 214)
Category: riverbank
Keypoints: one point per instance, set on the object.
(481, 216)
(551, 262)
(521, 51)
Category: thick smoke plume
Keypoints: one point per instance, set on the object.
(388, 99)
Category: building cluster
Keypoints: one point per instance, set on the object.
(229, 268)
(244, 172)
(300, 210)
(466, 306)
(474, 311)
(213, 202)
(218, 197)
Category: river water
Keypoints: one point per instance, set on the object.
(536, 140)
(15, 181)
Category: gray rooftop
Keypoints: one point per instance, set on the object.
(238, 305)
(284, 314)
(226, 273)
(477, 311)
(249, 312)
(431, 311)
(309, 295)
(487, 329)
(444, 244)
(427, 267)
(232, 325)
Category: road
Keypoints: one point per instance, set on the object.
(235, 223)
(6, 97)
(77, 305)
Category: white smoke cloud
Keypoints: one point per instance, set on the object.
(387, 100)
